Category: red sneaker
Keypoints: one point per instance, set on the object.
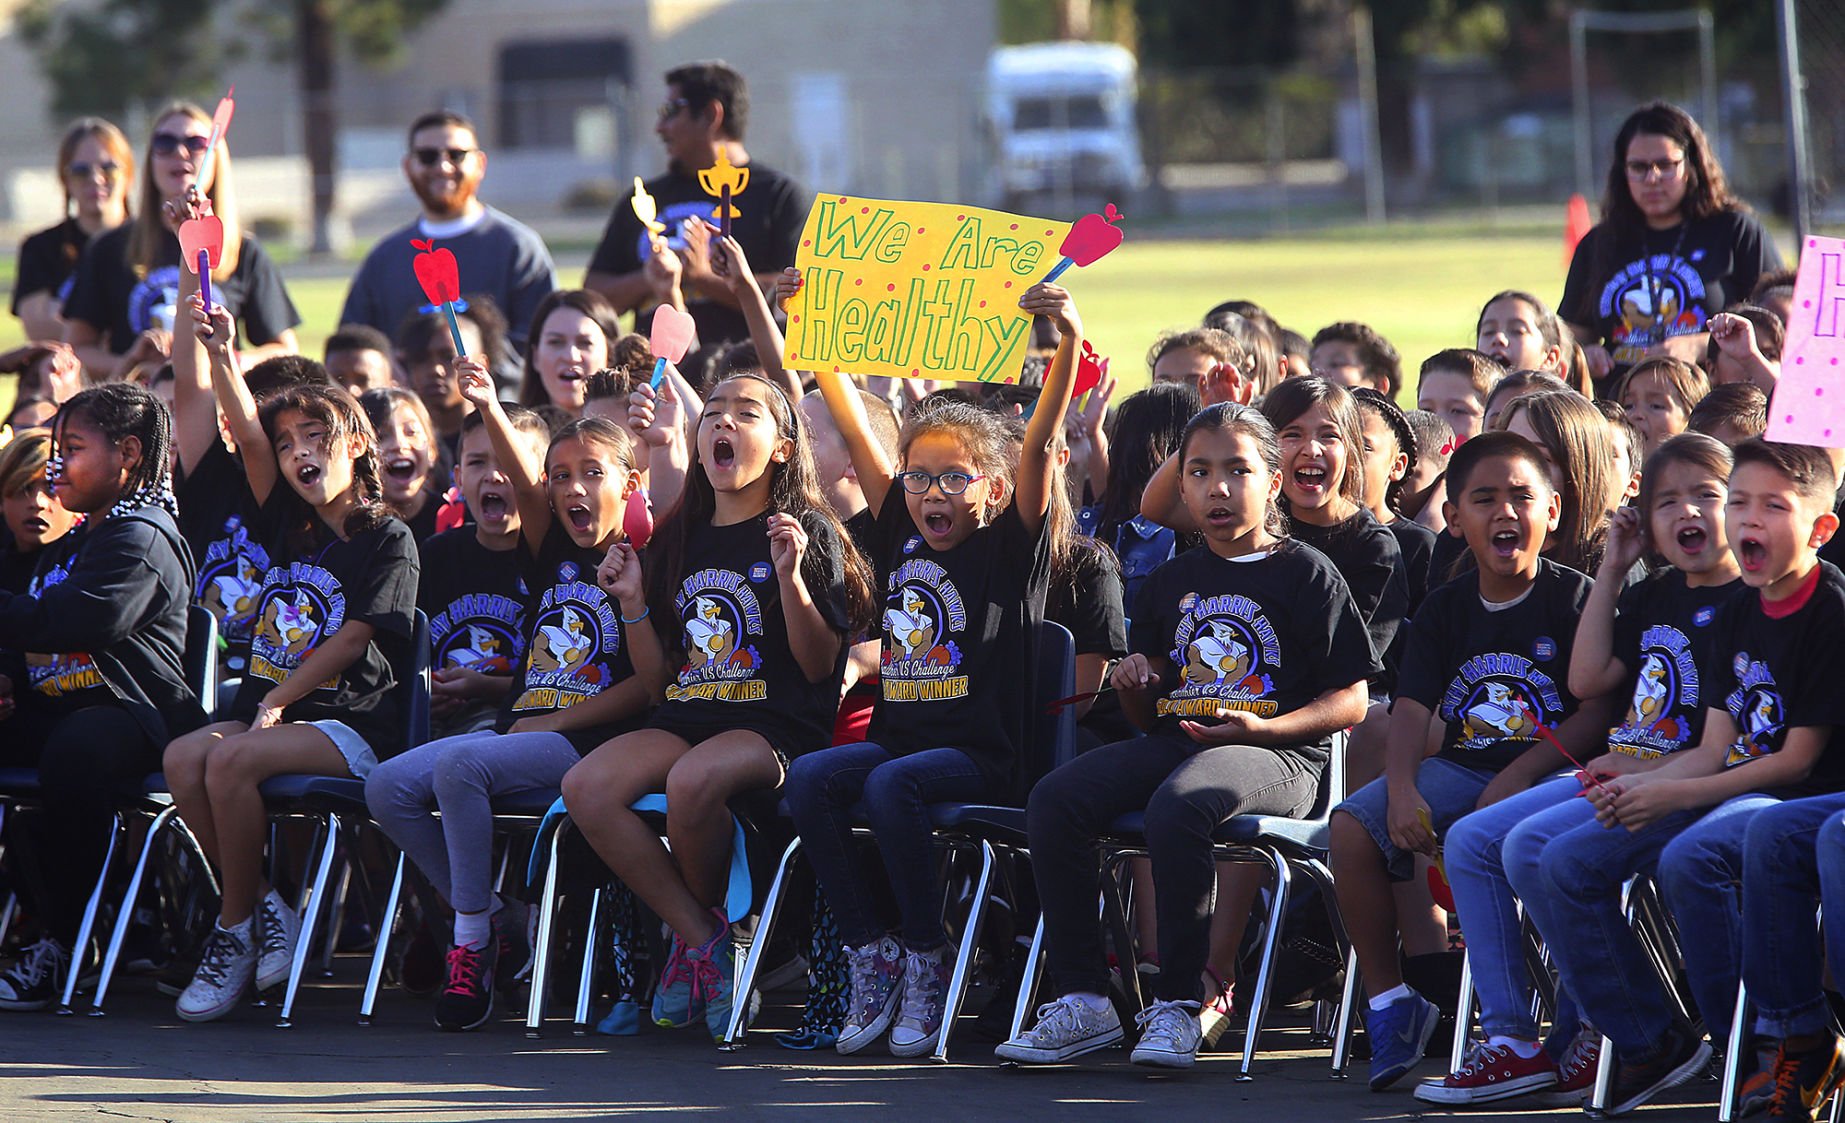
(1491, 1073)
(1576, 1072)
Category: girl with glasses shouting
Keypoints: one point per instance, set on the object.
(1673, 249)
(120, 308)
(95, 164)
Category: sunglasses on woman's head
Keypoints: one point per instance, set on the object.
(166, 144)
(430, 157)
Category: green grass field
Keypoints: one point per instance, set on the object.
(1422, 287)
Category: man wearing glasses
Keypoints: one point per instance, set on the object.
(497, 256)
(704, 116)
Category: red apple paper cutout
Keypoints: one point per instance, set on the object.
(1093, 237)
(637, 520)
(1090, 367)
(201, 235)
(437, 272)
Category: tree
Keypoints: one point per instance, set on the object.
(98, 61)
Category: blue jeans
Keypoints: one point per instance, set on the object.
(1451, 790)
(1831, 847)
(821, 791)
(1476, 856)
(1780, 937)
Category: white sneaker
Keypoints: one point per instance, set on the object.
(278, 927)
(1066, 1029)
(224, 975)
(875, 986)
(1168, 1035)
(925, 998)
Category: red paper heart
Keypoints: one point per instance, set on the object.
(453, 512)
(1092, 237)
(637, 520)
(671, 333)
(197, 234)
(1090, 367)
(437, 272)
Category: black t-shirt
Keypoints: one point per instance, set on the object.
(308, 597)
(1662, 633)
(575, 643)
(1492, 677)
(16, 568)
(109, 295)
(1774, 675)
(65, 681)
(475, 600)
(1416, 546)
(771, 212)
(1264, 633)
(1088, 600)
(1637, 290)
(219, 518)
(739, 672)
(959, 630)
(1365, 553)
(48, 261)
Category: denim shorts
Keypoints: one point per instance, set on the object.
(1451, 791)
(360, 758)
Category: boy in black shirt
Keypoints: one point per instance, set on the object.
(1484, 671)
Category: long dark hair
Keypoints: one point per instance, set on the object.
(1229, 417)
(1296, 396)
(591, 304)
(1707, 192)
(1148, 427)
(120, 410)
(339, 411)
(794, 489)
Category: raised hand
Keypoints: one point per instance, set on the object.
(619, 574)
(728, 261)
(655, 415)
(475, 383)
(1055, 302)
(786, 285)
(787, 545)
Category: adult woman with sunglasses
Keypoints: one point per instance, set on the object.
(121, 305)
(1673, 249)
(95, 163)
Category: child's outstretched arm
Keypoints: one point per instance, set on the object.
(217, 330)
(813, 641)
(514, 456)
(1735, 337)
(195, 411)
(1163, 503)
(1037, 472)
(870, 462)
(728, 262)
(1594, 667)
(658, 418)
(325, 663)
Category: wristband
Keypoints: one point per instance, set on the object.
(639, 618)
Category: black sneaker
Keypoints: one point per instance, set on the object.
(1803, 1080)
(36, 978)
(420, 971)
(466, 1002)
(1681, 1055)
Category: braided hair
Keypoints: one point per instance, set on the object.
(120, 410)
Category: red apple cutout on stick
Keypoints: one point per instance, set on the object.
(201, 243)
(1090, 367)
(440, 277)
(671, 336)
(637, 520)
(1093, 236)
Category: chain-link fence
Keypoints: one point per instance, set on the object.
(1820, 32)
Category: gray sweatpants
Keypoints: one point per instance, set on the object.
(459, 776)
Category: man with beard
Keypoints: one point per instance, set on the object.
(497, 257)
(703, 118)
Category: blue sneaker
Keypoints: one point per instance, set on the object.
(1399, 1033)
(807, 1039)
(672, 998)
(623, 1021)
(714, 980)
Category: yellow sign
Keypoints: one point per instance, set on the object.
(916, 290)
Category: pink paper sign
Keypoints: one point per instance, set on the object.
(1808, 406)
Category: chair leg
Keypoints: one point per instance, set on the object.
(1115, 914)
(1028, 982)
(387, 926)
(586, 979)
(129, 899)
(336, 916)
(1278, 911)
(964, 957)
(317, 896)
(541, 956)
(1342, 1030)
(90, 909)
(1463, 1017)
(1732, 1057)
(759, 946)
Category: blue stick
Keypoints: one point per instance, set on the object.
(659, 371)
(205, 277)
(1057, 272)
(454, 328)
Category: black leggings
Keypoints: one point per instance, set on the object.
(1187, 793)
(90, 762)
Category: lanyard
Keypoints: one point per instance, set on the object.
(1653, 286)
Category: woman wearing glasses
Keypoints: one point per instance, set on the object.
(94, 166)
(1673, 248)
(120, 308)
